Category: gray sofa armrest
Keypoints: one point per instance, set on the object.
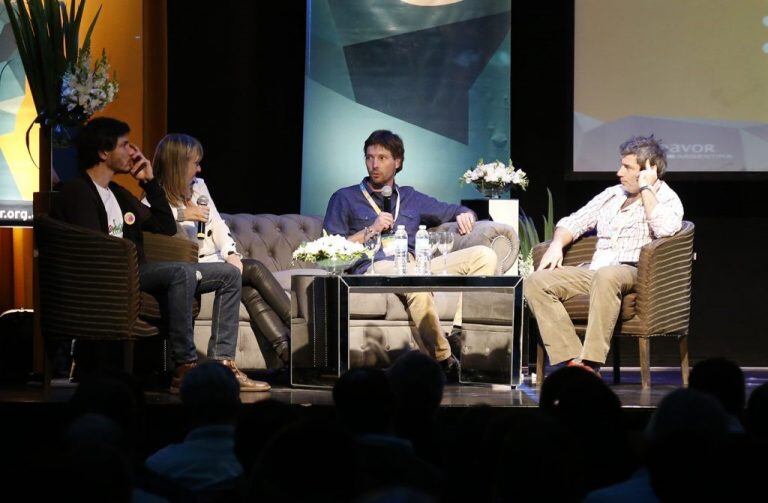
(502, 238)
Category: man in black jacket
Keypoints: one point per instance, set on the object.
(95, 202)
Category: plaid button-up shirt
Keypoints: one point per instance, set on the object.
(622, 232)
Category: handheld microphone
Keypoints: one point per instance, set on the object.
(386, 192)
(201, 201)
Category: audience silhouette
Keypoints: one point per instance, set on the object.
(365, 404)
(390, 441)
(205, 460)
(724, 380)
(417, 382)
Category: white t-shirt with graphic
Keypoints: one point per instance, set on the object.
(114, 213)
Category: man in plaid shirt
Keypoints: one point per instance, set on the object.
(625, 217)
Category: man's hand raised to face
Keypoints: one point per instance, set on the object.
(141, 168)
(648, 176)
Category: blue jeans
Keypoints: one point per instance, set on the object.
(176, 283)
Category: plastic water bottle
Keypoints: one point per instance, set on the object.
(423, 252)
(401, 251)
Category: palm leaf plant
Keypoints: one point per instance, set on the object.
(47, 35)
(529, 235)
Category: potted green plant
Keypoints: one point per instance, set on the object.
(47, 35)
(529, 236)
(58, 68)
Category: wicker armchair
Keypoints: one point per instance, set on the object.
(89, 285)
(659, 306)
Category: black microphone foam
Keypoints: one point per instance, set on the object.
(201, 201)
(386, 192)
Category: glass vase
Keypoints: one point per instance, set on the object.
(336, 266)
(493, 191)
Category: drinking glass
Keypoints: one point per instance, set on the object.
(434, 240)
(372, 246)
(445, 245)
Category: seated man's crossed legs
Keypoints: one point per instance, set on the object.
(178, 283)
(545, 292)
(473, 261)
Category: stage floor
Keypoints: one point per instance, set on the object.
(630, 393)
(33, 420)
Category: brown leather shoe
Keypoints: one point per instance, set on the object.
(178, 375)
(246, 383)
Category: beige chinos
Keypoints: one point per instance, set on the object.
(472, 261)
(545, 292)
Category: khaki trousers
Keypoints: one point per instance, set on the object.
(546, 291)
(473, 261)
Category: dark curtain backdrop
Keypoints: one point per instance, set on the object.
(236, 82)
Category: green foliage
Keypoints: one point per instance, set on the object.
(529, 235)
(47, 36)
(549, 221)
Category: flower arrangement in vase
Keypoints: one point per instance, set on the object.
(85, 91)
(331, 252)
(495, 178)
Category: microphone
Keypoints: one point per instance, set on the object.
(201, 201)
(386, 192)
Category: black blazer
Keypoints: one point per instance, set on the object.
(79, 203)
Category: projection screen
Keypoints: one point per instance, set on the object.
(692, 72)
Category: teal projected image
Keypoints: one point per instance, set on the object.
(437, 76)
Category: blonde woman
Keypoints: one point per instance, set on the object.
(177, 164)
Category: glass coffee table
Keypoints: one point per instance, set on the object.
(491, 338)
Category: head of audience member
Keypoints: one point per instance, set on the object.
(115, 396)
(256, 425)
(567, 381)
(364, 401)
(525, 453)
(684, 434)
(104, 141)
(97, 465)
(687, 411)
(587, 407)
(722, 379)
(757, 413)
(639, 153)
(322, 453)
(210, 394)
(176, 164)
(384, 156)
(417, 382)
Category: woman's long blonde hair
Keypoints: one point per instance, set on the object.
(170, 165)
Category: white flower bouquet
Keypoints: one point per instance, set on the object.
(525, 264)
(85, 91)
(331, 252)
(494, 178)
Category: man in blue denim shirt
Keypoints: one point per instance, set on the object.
(357, 212)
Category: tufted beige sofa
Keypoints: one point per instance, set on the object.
(380, 327)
